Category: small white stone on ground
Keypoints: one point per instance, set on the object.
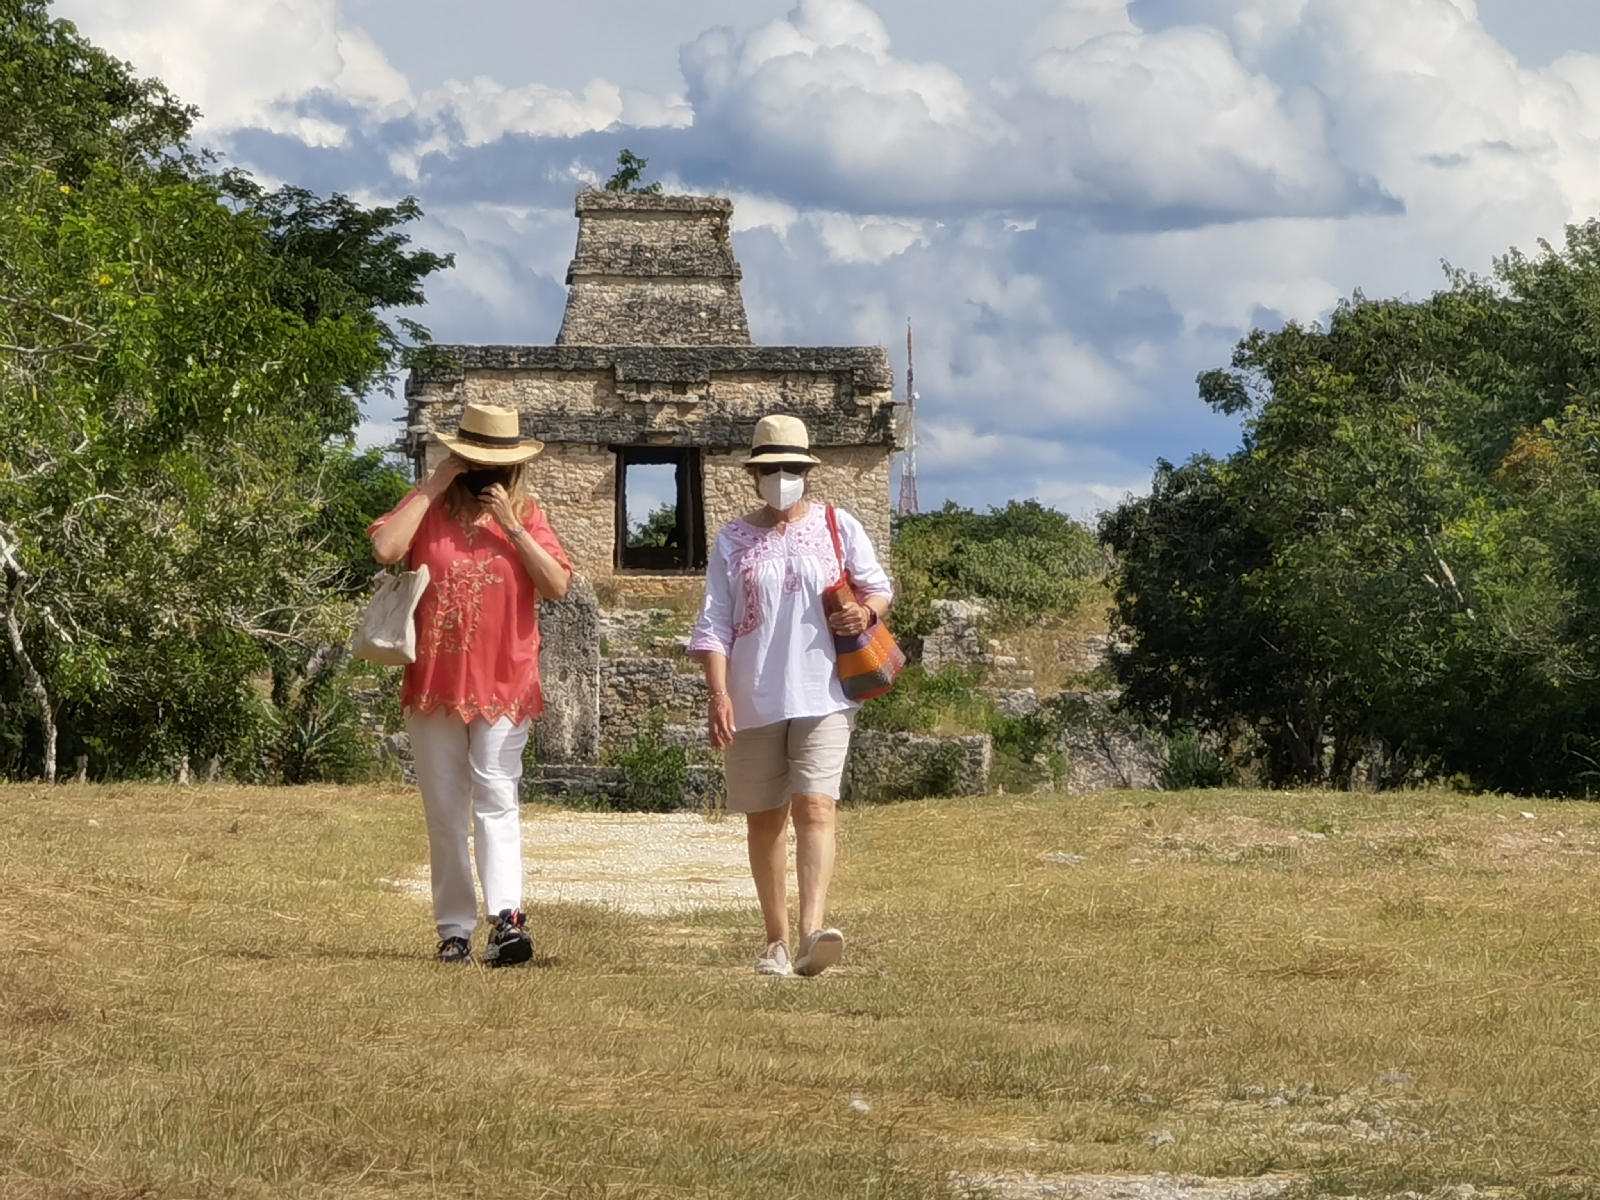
(858, 1103)
(1068, 860)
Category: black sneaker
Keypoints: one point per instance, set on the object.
(454, 950)
(509, 943)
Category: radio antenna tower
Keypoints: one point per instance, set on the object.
(908, 465)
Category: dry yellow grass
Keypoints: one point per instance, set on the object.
(1058, 649)
(210, 991)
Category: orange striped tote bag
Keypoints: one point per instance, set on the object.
(870, 661)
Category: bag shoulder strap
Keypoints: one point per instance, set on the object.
(838, 546)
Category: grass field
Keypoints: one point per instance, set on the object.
(210, 991)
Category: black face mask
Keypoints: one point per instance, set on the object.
(480, 479)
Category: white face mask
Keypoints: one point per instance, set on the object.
(782, 489)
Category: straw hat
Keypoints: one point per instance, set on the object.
(781, 440)
(492, 436)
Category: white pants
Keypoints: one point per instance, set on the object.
(469, 775)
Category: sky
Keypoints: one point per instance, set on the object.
(1080, 203)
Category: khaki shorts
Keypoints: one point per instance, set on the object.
(768, 764)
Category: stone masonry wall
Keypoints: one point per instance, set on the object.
(843, 396)
(631, 687)
(668, 312)
(654, 271)
(576, 486)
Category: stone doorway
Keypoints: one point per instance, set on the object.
(668, 542)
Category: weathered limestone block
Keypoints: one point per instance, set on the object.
(576, 488)
(902, 766)
(569, 671)
(655, 312)
(631, 687)
(957, 638)
(1106, 752)
(1013, 702)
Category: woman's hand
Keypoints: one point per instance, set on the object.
(721, 722)
(498, 501)
(442, 476)
(850, 620)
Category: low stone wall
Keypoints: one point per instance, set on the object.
(1105, 751)
(907, 766)
(702, 786)
(881, 767)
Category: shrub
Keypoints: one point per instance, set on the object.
(1190, 763)
(654, 771)
(922, 703)
(1025, 560)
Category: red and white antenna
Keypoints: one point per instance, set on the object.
(908, 465)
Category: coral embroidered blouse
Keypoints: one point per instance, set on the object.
(763, 610)
(478, 621)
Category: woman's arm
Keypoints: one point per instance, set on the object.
(712, 642)
(392, 535)
(549, 577)
(871, 582)
(719, 704)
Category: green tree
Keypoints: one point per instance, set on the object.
(70, 105)
(659, 529)
(1392, 573)
(181, 359)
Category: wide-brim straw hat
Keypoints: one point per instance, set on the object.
(781, 440)
(492, 436)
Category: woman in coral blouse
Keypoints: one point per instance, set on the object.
(473, 692)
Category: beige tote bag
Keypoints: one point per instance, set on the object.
(388, 633)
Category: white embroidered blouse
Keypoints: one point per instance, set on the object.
(763, 610)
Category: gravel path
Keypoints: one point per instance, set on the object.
(647, 863)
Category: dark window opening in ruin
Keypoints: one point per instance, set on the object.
(661, 524)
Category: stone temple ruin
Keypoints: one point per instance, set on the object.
(654, 367)
(654, 371)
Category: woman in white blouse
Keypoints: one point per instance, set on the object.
(777, 707)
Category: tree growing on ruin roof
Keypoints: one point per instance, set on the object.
(630, 170)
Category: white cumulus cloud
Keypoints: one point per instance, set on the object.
(1075, 240)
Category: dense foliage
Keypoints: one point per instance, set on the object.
(1024, 560)
(658, 530)
(1398, 574)
(181, 360)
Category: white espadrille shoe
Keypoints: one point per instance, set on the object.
(819, 951)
